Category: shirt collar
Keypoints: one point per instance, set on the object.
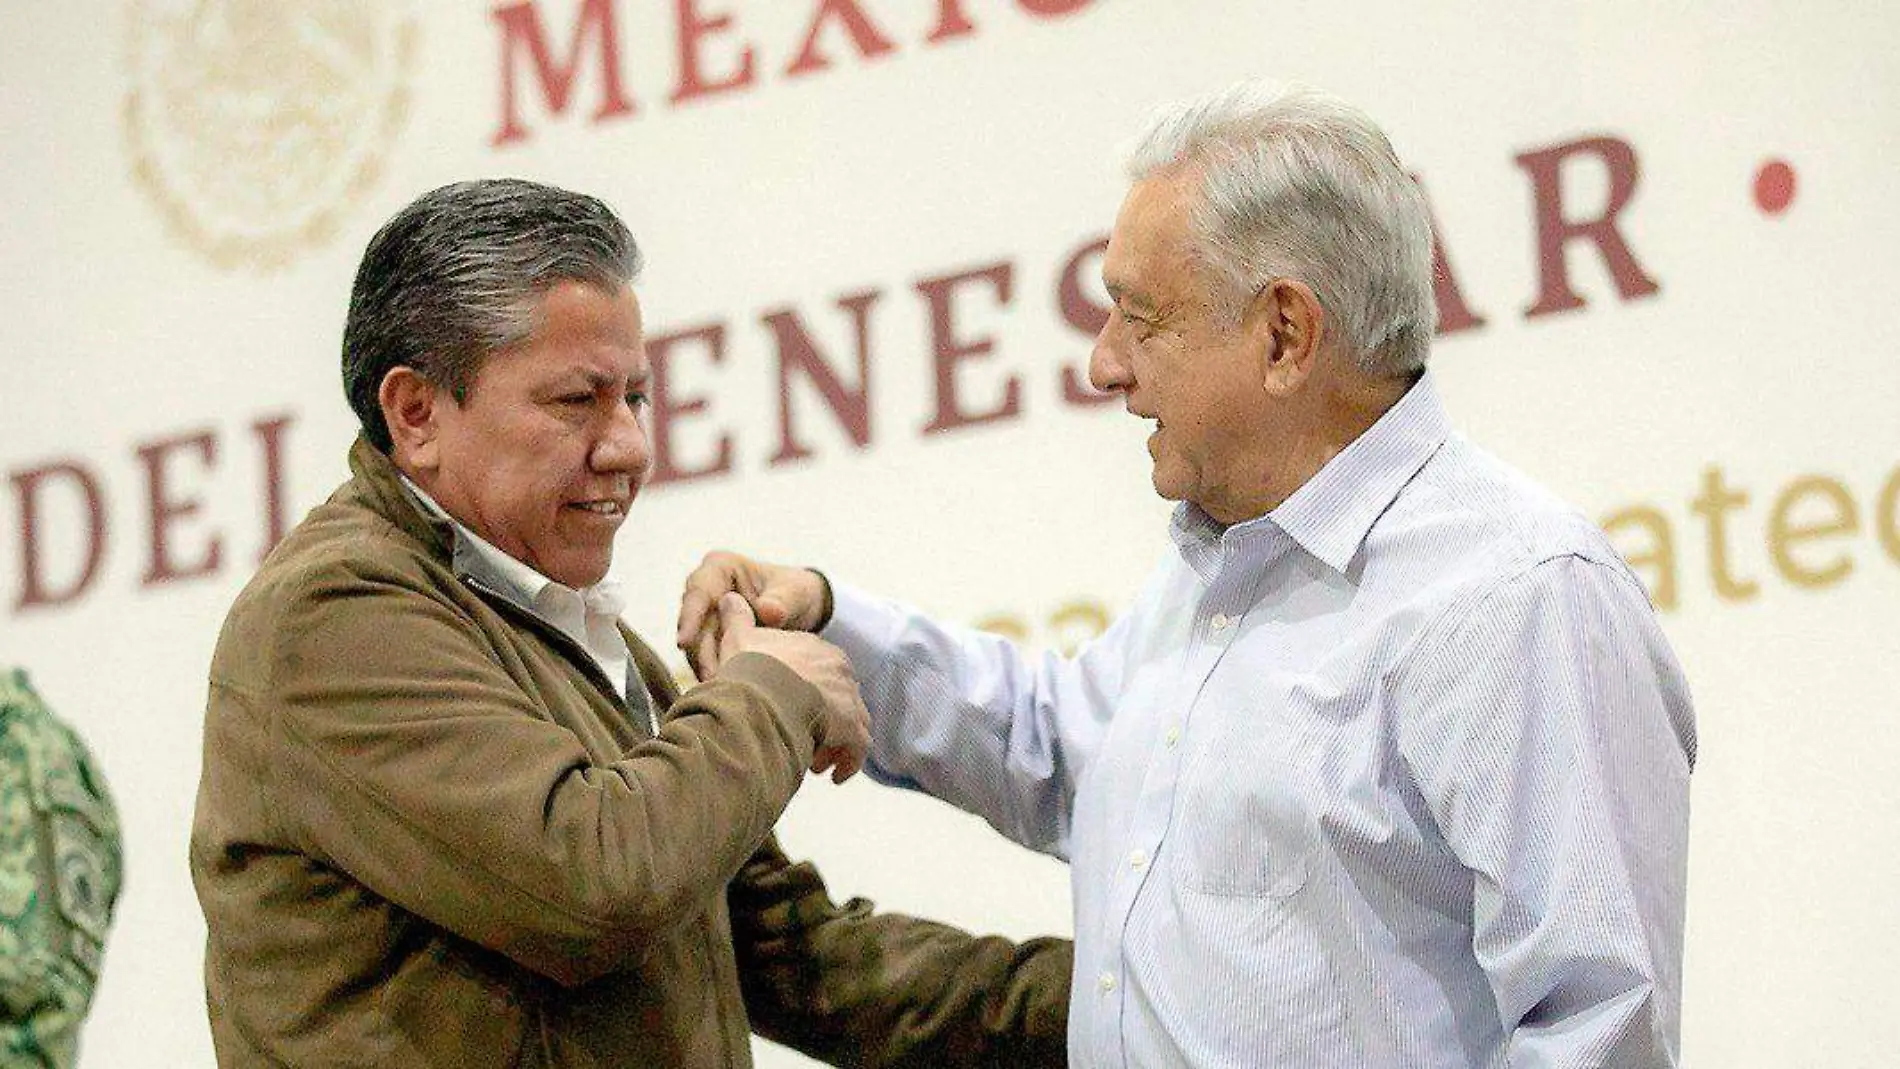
(1330, 516)
(474, 557)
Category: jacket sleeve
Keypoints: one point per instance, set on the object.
(861, 989)
(408, 756)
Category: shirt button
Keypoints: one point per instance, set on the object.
(1221, 621)
(1137, 859)
(1171, 736)
(1107, 982)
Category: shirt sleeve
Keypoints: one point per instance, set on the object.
(966, 717)
(851, 986)
(1549, 730)
(404, 753)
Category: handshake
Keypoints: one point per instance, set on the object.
(734, 605)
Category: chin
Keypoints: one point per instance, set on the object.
(582, 574)
(1166, 488)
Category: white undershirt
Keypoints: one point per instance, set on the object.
(589, 616)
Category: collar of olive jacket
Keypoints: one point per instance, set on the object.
(379, 483)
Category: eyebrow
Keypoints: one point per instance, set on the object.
(570, 380)
(591, 377)
(1135, 302)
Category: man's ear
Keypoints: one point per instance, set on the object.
(409, 403)
(1287, 319)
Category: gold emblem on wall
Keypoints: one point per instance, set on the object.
(255, 124)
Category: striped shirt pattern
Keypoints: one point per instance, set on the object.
(1396, 776)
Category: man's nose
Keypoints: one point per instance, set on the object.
(624, 446)
(1107, 370)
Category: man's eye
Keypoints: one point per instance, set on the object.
(576, 399)
(637, 399)
(1142, 328)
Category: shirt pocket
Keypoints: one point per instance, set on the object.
(1245, 822)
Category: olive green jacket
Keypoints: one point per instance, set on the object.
(429, 833)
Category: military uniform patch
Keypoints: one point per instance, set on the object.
(60, 871)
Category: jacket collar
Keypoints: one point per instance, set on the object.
(379, 485)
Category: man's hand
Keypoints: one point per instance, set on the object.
(846, 730)
(780, 596)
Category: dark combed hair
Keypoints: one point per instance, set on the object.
(460, 273)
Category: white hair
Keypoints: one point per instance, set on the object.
(1298, 184)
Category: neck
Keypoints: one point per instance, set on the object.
(1328, 414)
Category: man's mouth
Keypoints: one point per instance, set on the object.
(610, 507)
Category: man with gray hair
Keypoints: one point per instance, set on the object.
(1388, 765)
(454, 813)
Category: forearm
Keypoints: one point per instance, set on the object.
(424, 770)
(964, 717)
(856, 988)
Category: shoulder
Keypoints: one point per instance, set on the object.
(18, 700)
(1496, 520)
(48, 746)
(1473, 538)
(343, 562)
(54, 799)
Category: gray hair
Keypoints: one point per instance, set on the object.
(460, 274)
(1297, 184)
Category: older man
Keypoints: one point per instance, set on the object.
(452, 812)
(1388, 765)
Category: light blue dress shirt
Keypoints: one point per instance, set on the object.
(1396, 776)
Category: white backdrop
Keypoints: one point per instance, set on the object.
(188, 184)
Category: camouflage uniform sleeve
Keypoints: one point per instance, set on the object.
(60, 871)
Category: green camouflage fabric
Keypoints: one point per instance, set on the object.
(60, 868)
